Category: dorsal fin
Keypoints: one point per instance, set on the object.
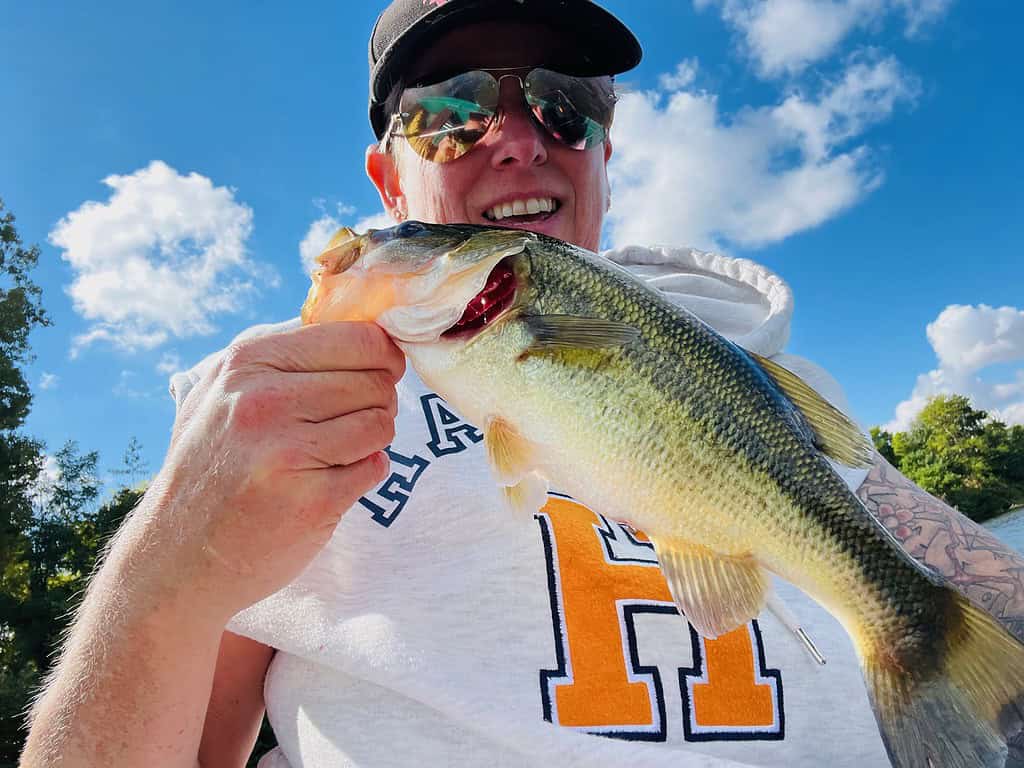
(834, 434)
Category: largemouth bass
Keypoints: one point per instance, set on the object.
(584, 378)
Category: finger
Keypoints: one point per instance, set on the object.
(326, 395)
(341, 346)
(344, 485)
(349, 438)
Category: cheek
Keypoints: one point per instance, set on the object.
(590, 184)
(434, 193)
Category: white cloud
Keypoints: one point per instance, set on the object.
(170, 362)
(684, 173)
(683, 77)
(784, 36)
(161, 258)
(920, 13)
(967, 340)
(316, 238)
(48, 380)
(321, 231)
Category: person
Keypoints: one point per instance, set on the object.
(325, 540)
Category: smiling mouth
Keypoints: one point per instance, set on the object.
(489, 304)
(525, 211)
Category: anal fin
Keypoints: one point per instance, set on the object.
(716, 593)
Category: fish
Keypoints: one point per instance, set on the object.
(585, 379)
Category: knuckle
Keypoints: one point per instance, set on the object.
(376, 468)
(283, 455)
(383, 387)
(365, 338)
(254, 409)
(374, 345)
(382, 425)
(238, 355)
(368, 473)
(397, 363)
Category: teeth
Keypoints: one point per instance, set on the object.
(520, 208)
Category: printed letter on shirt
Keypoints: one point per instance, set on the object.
(602, 577)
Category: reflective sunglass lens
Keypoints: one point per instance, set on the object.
(576, 110)
(444, 120)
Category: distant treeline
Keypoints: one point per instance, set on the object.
(956, 452)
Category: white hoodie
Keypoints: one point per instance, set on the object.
(437, 629)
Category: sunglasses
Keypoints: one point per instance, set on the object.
(443, 121)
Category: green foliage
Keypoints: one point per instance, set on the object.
(134, 469)
(16, 686)
(957, 453)
(883, 444)
(21, 462)
(265, 741)
(20, 311)
(45, 581)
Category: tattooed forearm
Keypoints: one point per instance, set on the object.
(985, 569)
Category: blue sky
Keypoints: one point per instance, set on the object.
(866, 150)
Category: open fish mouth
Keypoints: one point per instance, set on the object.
(497, 295)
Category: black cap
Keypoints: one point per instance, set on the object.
(603, 44)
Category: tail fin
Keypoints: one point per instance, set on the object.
(964, 711)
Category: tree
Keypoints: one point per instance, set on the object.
(21, 462)
(62, 551)
(134, 468)
(20, 456)
(883, 444)
(955, 452)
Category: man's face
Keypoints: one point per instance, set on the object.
(516, 160)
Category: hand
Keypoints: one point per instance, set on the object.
(269, 450)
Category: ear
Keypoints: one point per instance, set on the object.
(380, 167)
(607, 186)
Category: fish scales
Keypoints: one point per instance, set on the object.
(713, 384)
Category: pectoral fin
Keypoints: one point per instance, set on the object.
(715, 592)
(573, 332)
(528, 495)
(835, 435)
(509, 453)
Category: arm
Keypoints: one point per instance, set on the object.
(982, 567)
(132, 683)
(268, 451)
(236, 707)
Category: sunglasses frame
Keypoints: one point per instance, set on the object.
(396, 124)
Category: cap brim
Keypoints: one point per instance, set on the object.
(602, 45)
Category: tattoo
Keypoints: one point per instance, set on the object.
(982, 567)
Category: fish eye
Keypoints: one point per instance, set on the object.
(409, 229)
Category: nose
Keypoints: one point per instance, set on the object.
(518, 139)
